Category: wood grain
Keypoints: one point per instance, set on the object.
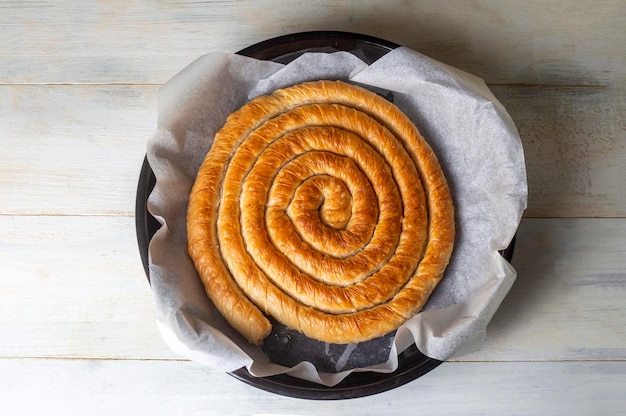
(73, 149)
(82, 293)
(78, 91)
(109, 387)
(148, 42)
(562, 82)
(89, 142)
(574, 142)
(567, 300)
(74, 287)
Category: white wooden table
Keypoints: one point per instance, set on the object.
(78, 83)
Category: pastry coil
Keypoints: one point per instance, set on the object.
(322, 206)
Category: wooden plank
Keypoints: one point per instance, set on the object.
(73, 149)
(148, 42)
(89, 142)
(77, 289)
(567, 302)
(106, 387)
(575, 148)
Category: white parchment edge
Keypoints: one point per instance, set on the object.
(475, 140)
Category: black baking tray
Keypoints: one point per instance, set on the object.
(412, 364)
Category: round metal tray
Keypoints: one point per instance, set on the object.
(412, 364)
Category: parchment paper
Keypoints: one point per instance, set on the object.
(477, 145)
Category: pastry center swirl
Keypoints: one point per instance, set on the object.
(315, 212)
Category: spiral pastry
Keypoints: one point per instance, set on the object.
(322, 206)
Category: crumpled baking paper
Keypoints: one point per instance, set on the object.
(477, 145)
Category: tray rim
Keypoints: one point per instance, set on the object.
(412, 364)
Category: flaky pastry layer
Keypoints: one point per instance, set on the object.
(322, 206)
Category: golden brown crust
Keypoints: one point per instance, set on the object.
(322, 206)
